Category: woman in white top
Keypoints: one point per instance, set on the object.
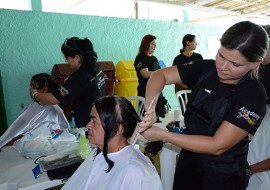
(259, 149)
(116, 164)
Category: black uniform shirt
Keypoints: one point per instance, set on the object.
(182, 59)
(248, 105)
(143, 61)
(82, 88)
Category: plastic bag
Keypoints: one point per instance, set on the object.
(84, 146)
(34, 146)
(63, 165)
(59, 160)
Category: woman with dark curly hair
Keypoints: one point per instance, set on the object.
(84, 85)
(117, 165)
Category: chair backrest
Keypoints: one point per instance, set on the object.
(182, 98)
(138, 103)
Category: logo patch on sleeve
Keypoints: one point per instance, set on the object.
(139, 65)
(63, 91)
(249, 116)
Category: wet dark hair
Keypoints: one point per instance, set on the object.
(43, 80)
(187, 38)
(113, 111)
(82, 47)
(145, 43)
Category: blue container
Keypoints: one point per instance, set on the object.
(182, 130)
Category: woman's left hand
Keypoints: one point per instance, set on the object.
(152, 133)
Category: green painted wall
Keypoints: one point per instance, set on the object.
(30, 43)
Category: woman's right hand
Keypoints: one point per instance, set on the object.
(148, 119)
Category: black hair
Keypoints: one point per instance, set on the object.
(187, 38)
(248, 38)
(113, 111)
(267, 29)
(43, 80)
(82, 47)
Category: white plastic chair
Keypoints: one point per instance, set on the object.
(182, 98)
(138, 103)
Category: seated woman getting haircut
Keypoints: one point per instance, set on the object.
(116, 165)
(36, 115)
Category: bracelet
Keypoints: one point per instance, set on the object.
(34, 94)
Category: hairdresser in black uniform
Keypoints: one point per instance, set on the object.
(145, 64)
(186, 55)
(226, 104)
(84, 85)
